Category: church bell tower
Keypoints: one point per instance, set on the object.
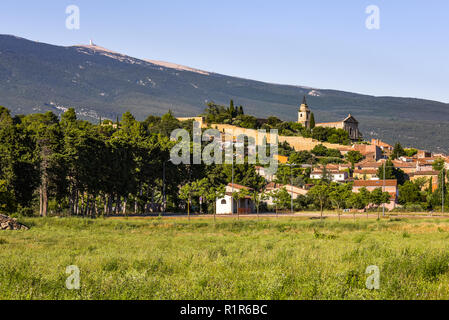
(304, 114)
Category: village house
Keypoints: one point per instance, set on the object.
(407, 167)
(294, 191)
(265, 173)
(391, 186)
(230, 205)
(368, 165)
(366, 174)
(370, 152)
(425, 164)
(334, 175)
(385, 147)
(424, 154)
(428, 176)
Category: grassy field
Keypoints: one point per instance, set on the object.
(283, 258)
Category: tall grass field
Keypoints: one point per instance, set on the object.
(283, 258)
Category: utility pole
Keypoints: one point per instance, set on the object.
(163, 188)
(383, 190)
(442, 191)
(232, 181)
(291, 184)
(164, 198)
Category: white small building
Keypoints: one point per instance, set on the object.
(334, 175)
(228, 205)
(266, 173)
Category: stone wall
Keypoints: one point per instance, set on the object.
(298, 143)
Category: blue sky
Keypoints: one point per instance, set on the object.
(322, 43)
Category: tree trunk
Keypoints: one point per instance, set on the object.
(188, 209)
(77, 205)
(238, 207)
(71, 202)
(44, 199)
(95, 209)
(40, 201)
(86, 208)
(82, 204)
(105, 204)
(125, 201)
(257, 210)
(117, 205)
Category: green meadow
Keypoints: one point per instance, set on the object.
(284, 258)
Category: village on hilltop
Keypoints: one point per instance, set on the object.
(364, 174)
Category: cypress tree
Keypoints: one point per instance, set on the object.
(312, 121)
(232, 109)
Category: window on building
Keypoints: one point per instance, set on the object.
(223, 201)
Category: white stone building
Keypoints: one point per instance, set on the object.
(228, 205)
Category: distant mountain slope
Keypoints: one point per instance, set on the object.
(36, 77)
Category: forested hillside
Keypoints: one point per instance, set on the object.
(37, 77)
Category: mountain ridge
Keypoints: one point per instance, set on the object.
(98, 82)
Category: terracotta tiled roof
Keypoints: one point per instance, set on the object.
(238, 186)
(402, 164)
(375, 183)
(366, 171)
(230, 194)
(368, 164)
(426, 173)
(328, 171)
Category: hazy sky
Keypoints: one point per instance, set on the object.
(322, 44)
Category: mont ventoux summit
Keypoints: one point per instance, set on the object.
(38, 77)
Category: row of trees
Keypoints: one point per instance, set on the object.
(65, 165)
(332, 196)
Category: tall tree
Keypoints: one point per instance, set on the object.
(398, 151)
(391, 172)
(312, 121)
(354, 157)
(339, 195)
(320, 195)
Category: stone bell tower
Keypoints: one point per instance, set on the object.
(304, 114)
